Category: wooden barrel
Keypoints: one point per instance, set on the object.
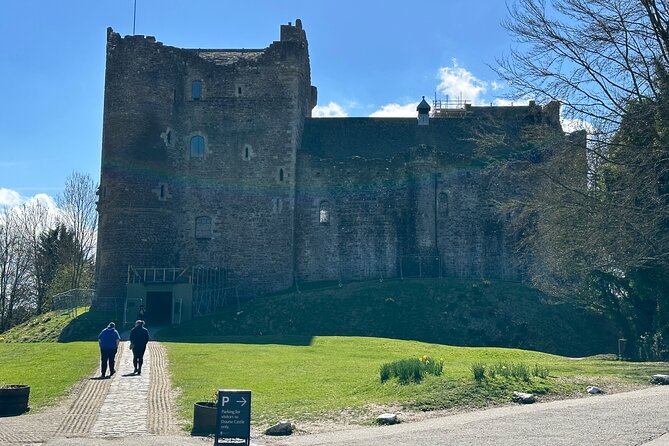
(14, 399)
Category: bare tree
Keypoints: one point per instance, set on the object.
(77, 204)
(33, 219)
(601, 222)
(594, 56)
(16, 281)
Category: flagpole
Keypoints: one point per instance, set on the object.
(134, 16)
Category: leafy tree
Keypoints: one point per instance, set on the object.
(55, 254)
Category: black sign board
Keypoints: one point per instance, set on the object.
(233, 419)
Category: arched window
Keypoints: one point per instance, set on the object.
(203, 227)
(196, 90)
(197, 146)
(280, 174)
(324, 213)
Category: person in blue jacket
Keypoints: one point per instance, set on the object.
(139, 337)
(108, 340)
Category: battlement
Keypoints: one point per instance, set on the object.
(293, 33)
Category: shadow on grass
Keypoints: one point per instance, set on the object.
(87, 326)
(295, 340)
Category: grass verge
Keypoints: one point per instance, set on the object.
(46, 327)
(292, 379)
(49, 368)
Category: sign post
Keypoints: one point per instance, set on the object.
(233, 419)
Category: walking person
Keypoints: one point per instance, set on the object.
(108, 340)
(139, 337)
(141, 314)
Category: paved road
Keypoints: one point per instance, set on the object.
(632, 418)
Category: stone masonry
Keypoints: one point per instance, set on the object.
(210, 158)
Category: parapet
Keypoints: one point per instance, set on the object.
(293, 33)
(114, 37)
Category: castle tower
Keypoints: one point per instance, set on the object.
(198, 159)
(135, 194)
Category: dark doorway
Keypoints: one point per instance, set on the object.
(159, 308)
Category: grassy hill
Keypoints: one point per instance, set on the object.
(443, 311)
(59, 326)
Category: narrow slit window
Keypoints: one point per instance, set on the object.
(197, 146)
(280, 174)
(196, 90)
(239, 91)
(324, 213)
(203, 227)
(246, 153)
(162, 191)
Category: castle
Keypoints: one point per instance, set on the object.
(215, 177)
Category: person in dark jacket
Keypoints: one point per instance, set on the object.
(108, 340)
(139, 337)
(141, 314)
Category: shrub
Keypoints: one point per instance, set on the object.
(521, 371)
(385, 372)
(478, 369)
(502, 369)
(411, 370)
(508, 370)
(540, 371)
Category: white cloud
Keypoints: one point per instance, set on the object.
(501, 102)
(9, 197)
(572, 125)
(45, 200)
(12, 200)
(396, 111)
(458, 83)
(332, 110)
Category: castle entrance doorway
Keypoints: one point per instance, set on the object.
(159, 307)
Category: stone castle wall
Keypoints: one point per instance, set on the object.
(277, 196)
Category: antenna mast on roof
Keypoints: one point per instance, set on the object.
(134, 16)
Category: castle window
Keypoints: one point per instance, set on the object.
(196, 90)
(280, 174)
(203, 227)
(162, 191)
(443, 202)
(247, 151)
(239, 91)
(324, 213)
(169, 137)
(197, 146)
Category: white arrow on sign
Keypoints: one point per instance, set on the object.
(243, 401)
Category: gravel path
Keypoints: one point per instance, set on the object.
(125, 406)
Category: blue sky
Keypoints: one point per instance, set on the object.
(367, 58)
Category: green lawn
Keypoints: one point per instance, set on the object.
(293, 379)
(49, 368)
